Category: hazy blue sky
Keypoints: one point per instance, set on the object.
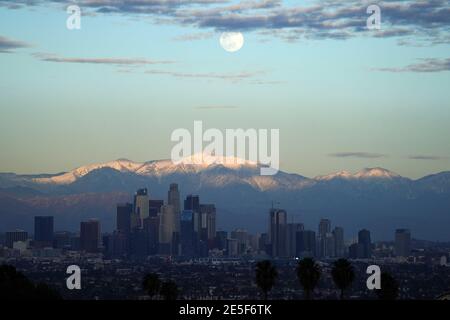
(343, 97)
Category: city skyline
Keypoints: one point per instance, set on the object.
(344, 96)
(197, 257)
(226, 154)
(372, 198)
(281, 237)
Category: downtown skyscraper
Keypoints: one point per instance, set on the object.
(43, 230)
(402, 242)
(278, 232)
(90, 235)
(173, 199)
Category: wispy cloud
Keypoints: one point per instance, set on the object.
(412, 20)
(426, 157)
(111, 61)
(426, 65)
(8, 45)
(233, 77)
(194, 36)
(216, 108)
(362, 155)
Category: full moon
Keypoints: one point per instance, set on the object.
(231, 41)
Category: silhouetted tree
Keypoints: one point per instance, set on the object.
(169, 290)
(44, 292)
(343, 274)
(266, 274)
(308, 273)
(151, 284)
(15, 286)
(389, 287)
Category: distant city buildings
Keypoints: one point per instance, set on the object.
(43, 231)
(363, 248)
(292, 231)
(402, 242)
(90, 235)
(365, 244)
(167, 225)
(148, 227)
(278, 232)
(14, 236)
(123, 217)
(325, 239)
(339, 243)
(141, 208)
(306, 244)
(173, 199)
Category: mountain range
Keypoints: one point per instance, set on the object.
(373, 198)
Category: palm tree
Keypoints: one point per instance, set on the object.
(266, 274)
(308, 274)
(151, 284)
(169, 290)
(343, 274)
(389, 287)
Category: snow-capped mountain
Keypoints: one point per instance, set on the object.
(156, 168)
(375, 198)
(367, 173)
(214, 172)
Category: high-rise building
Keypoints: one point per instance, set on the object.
(253, 242)
(151, 228)
(328, 246)
(292, 229)
(141, 207)
(123, 217)
(154, 207)
(264, 243)
(221, 240)
(355, 251)
(277, 232)
(402, 242)
(166, 228)
(187, 233)
(116, 244)
(324, 227)
(208, 222)
(324, 239)
(173, 198)
(365, 243)
(339, 246)
(90, 236)
(241, 236)
(232, 247)
(43, 230)
(14, 236)
(192, 202)
(306, 243)
(139, 244)
(61, 239)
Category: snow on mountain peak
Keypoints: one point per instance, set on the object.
(193, 164)
(376, 173)
(366, 173)
(121, 165)
(340, 174)
(205, 160)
